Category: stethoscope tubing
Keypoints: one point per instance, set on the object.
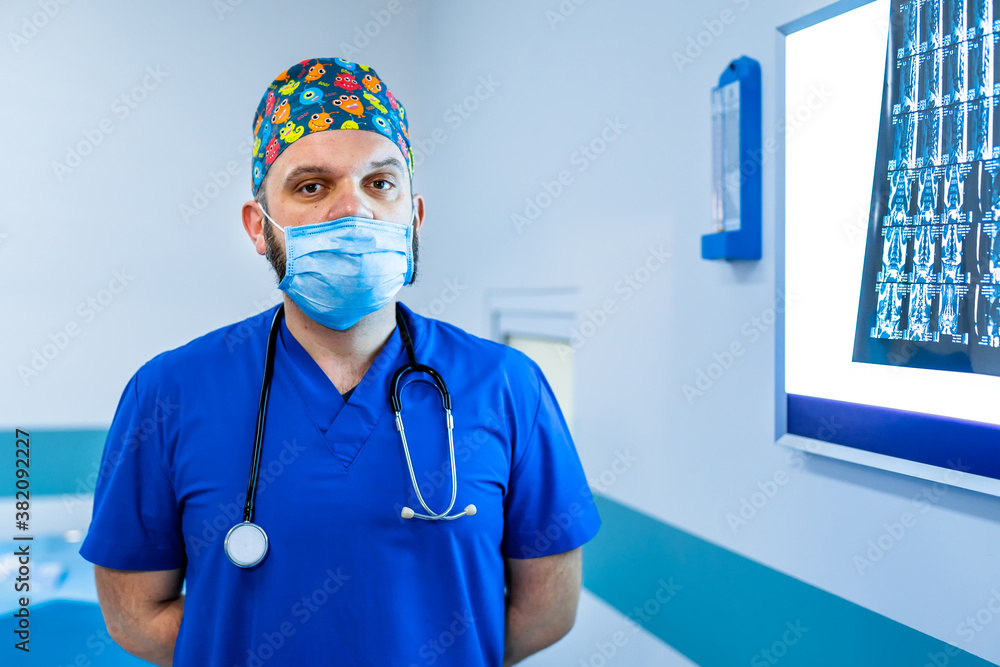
(396, 402)
(265, 389)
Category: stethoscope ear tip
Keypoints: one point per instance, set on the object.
(470, 510)
(407, 513)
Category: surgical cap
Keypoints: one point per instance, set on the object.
(324, 94)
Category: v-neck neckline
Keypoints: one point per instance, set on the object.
(344, 426)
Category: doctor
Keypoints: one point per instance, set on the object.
(350, 574)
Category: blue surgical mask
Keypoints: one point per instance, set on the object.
(342, 270)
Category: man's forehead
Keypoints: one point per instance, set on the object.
(320, 95)
(338, 152)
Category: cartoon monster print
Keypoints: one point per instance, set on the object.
(346, 81)
(401, 143)
(290, 132)
(311, 96)
(288, 88)
(382, 125)
(375, 102)
(371, 83)
(351, 104)
(320, 121)
(281, 114)
(271, 152)
(315, 72)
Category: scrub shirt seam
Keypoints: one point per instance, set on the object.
(172, 548)
(531, 431)
(305, 404)
(152, 442)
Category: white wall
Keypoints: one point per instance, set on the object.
(65, 234)
(558, 86)
(696, 460)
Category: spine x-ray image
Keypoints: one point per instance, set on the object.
(930, 293)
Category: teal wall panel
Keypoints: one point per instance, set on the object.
(61, 461)
(723, 609)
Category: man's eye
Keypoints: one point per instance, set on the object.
(310, 188)
(381, 184)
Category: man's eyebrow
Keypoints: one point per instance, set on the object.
(306, 170)
(319, 170)
(387, 162)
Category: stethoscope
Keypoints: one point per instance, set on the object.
(246, 542)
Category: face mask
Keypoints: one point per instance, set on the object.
(341, 270)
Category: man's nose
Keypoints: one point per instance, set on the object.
(348, 201)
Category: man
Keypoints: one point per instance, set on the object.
(484, 571)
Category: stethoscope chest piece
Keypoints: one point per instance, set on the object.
(246, 544)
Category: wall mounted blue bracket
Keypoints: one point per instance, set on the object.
(737, 163)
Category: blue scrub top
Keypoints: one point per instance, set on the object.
(346, 580)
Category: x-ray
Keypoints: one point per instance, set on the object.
(930, 293)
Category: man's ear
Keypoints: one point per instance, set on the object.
(253, 223)
(418, 213)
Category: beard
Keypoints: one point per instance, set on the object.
(275, 254)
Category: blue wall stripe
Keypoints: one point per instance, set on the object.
(61, 461)
(729, 608)
(66, 633)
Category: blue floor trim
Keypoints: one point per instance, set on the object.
(66, 633)
(62, 461)
(721, 609)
